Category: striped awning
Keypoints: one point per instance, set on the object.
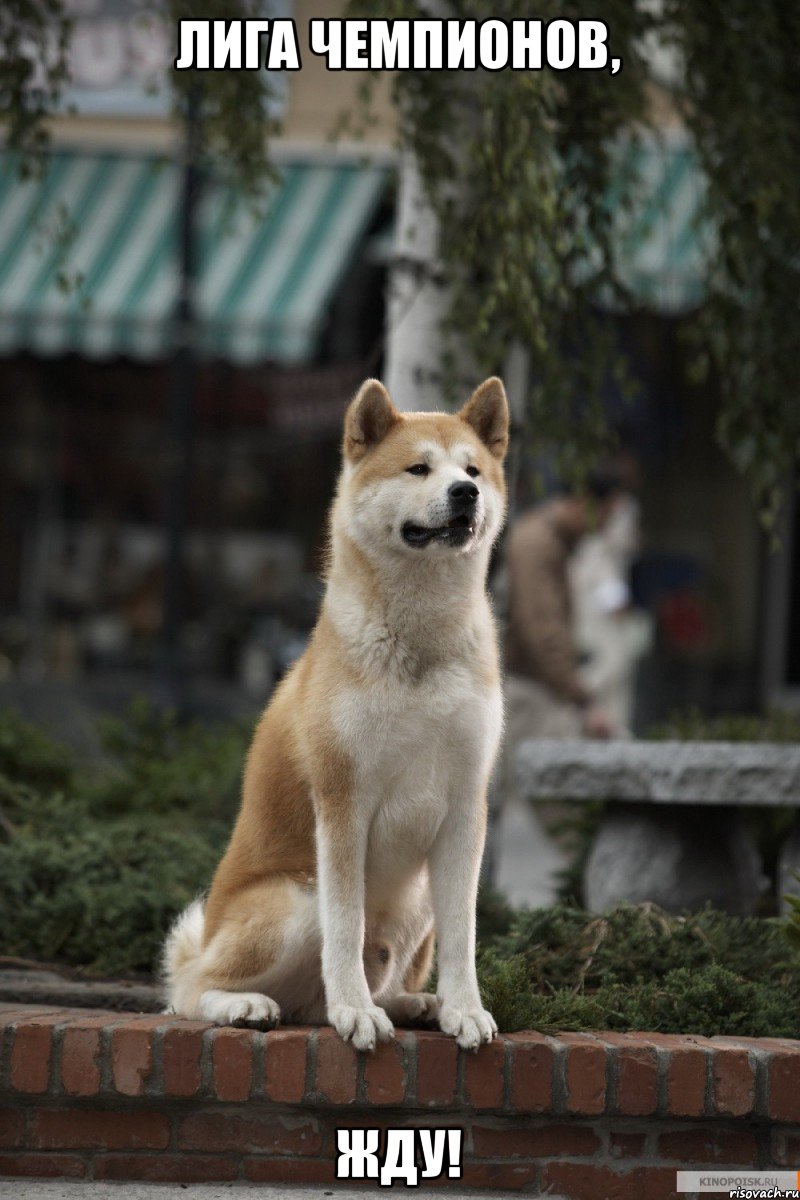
(89, 257)
(663, 245)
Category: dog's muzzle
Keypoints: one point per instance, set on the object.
(462, 498)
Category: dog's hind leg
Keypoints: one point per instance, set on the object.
(262, 959)
(419, 969)
(412, 1004)
(239, 1008)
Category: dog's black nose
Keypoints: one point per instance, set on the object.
(462, 495)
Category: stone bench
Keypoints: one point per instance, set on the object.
(672, 832)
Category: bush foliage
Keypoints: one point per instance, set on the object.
(95, 860)
(637, 968)
(691, 725)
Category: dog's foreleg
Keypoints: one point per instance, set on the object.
(341, 856)
(454, 865)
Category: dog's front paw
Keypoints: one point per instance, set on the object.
(468, 1025)
(361, 1026)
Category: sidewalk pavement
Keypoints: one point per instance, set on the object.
(49, 1189)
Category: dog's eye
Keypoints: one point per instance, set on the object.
(472, 471)
(419, 469)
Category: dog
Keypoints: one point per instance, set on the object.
(363, 812)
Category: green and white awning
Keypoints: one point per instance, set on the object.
(88, 252)
(662, 243)
(88, 257)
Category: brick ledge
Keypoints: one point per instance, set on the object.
(121, 1095)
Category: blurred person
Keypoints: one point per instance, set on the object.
(546, 693)
(611, 634)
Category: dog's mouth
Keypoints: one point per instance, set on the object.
(456, 532)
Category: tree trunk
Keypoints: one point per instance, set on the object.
(417, 300)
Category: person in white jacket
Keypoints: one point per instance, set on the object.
(610, 633)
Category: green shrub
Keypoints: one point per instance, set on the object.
(637, 968)
(792, 922)
(160, 765)
(30, 756)
(100, 895)
(95, 863)
(692, 725)
(708, 1002)
(567, 947)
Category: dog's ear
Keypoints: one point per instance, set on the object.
(369, 418)
(487, 412)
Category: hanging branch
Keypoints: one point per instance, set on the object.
(742, 105)
(519, 169)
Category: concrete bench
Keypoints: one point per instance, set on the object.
(672, 831)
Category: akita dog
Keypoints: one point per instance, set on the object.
(363, 814)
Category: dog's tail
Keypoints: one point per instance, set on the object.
(182, 950)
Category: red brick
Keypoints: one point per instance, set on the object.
(784, 1086)
(51, 1166)
(547, 1141)
(182, 1050)
(12, 1127)
(637, 1074)
(80, 1061)
(484, 1075)
(688, 1059)
(635, 1037)
(734, 1083)
(531, 1073)
(77, 1129)
(512, 1177)
(32, 1053)
(785, 1148)
(10, 1014)
(508, 1176)
(147, 1022)
(580, 1181)
(18, 1010)
(288, 1170)
(437, 1067)
(658, 1183)
(781, 1045)
(626, 1145)
(285, 1076)
(687, 1071)
(166, 1168)
(372, 1120)
(151, 1021)
(672, 1041)
(91, 1019)
(232, 1063)
(385, 1073)
(82, 1017)
(709, 1147)
(217, 1132)
(337, 1069)
(131, 1058)
(585, 1075)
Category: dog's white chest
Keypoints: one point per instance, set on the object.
(392, 731)
(416, 750)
